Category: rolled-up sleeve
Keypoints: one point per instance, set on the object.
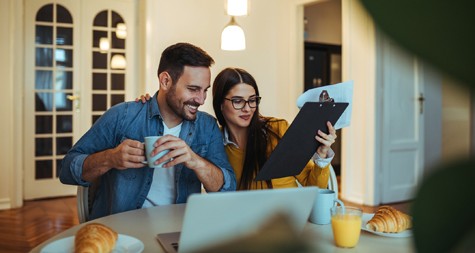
(71, 170)
(99, 137)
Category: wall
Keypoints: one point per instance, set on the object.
(324, 22)
(10, 109)
(202, 24)
(455, 120)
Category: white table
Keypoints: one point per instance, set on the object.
(145, 224)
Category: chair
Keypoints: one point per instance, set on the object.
(83, 203)
(332, 180)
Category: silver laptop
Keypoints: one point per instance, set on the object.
(216, 217)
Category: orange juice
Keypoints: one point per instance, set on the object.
(346, 229)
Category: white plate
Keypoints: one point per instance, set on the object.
(124, 244)
(367, 216)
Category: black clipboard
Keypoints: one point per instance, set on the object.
(298, 144)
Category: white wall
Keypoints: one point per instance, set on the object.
(455, 120)
(201, 23)
(10, 109)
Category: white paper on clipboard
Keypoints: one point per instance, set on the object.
(340, 92)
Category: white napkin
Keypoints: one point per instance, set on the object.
(338, 93)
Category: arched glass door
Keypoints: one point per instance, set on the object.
(70, 81)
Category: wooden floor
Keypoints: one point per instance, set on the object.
(24, 228)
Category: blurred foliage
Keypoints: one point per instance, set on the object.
(439, 31)
(442, 33)
(444, 210)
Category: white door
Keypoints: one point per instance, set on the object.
(402, 132)
(69, 81)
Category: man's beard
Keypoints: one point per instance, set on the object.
(179, 109)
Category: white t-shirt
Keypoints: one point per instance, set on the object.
(162, 191)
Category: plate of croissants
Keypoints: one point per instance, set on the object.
(387, 221)
(95, 237)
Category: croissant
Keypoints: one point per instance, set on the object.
(389, 220)
(95, 238)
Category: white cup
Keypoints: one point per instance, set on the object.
(149, 142)
(324, 201)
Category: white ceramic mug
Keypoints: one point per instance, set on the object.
(149, 142)
(324, 201)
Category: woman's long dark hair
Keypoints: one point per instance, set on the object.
(257, 131)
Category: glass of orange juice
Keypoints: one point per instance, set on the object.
(346, 225)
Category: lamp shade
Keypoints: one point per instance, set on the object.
(232, 37)
(236, 7)
(118, 62)
(121, 31)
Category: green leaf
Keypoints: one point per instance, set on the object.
(444, 210)
(441, 32)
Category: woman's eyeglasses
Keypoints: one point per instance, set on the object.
(239, 103)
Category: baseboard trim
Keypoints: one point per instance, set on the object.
(5, 204)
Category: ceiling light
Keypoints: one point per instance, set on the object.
(237, 7)
(232, 37)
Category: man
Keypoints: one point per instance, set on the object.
(111, 153)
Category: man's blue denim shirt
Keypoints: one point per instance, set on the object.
(124, 190)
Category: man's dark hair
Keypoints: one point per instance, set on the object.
(176, 57)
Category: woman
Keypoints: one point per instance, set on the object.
(250, 138)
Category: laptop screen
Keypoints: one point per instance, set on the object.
(216, 217)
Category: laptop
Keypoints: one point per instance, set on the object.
(213, 218)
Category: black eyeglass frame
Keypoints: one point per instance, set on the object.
(248, 102)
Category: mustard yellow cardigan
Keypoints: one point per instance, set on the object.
(311, 175)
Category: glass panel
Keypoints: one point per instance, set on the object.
(96, 36)
(63, 144)
(117, 43)
(101, 19)
(64, 124)
(99, 60)
(43, 101)
(62, 103)
(44, 57)
(44, 169)
(63, 15)
(99, 102)
(116, 18)
(43, 80)
(44, 124)
(115, 99)
(99, 81)
(64, 57)
(43, 146)
(95, 118)
(58, 167)
(45, 13)
(63, 80)
(44, 35)
(64, 36)
(118, 81)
